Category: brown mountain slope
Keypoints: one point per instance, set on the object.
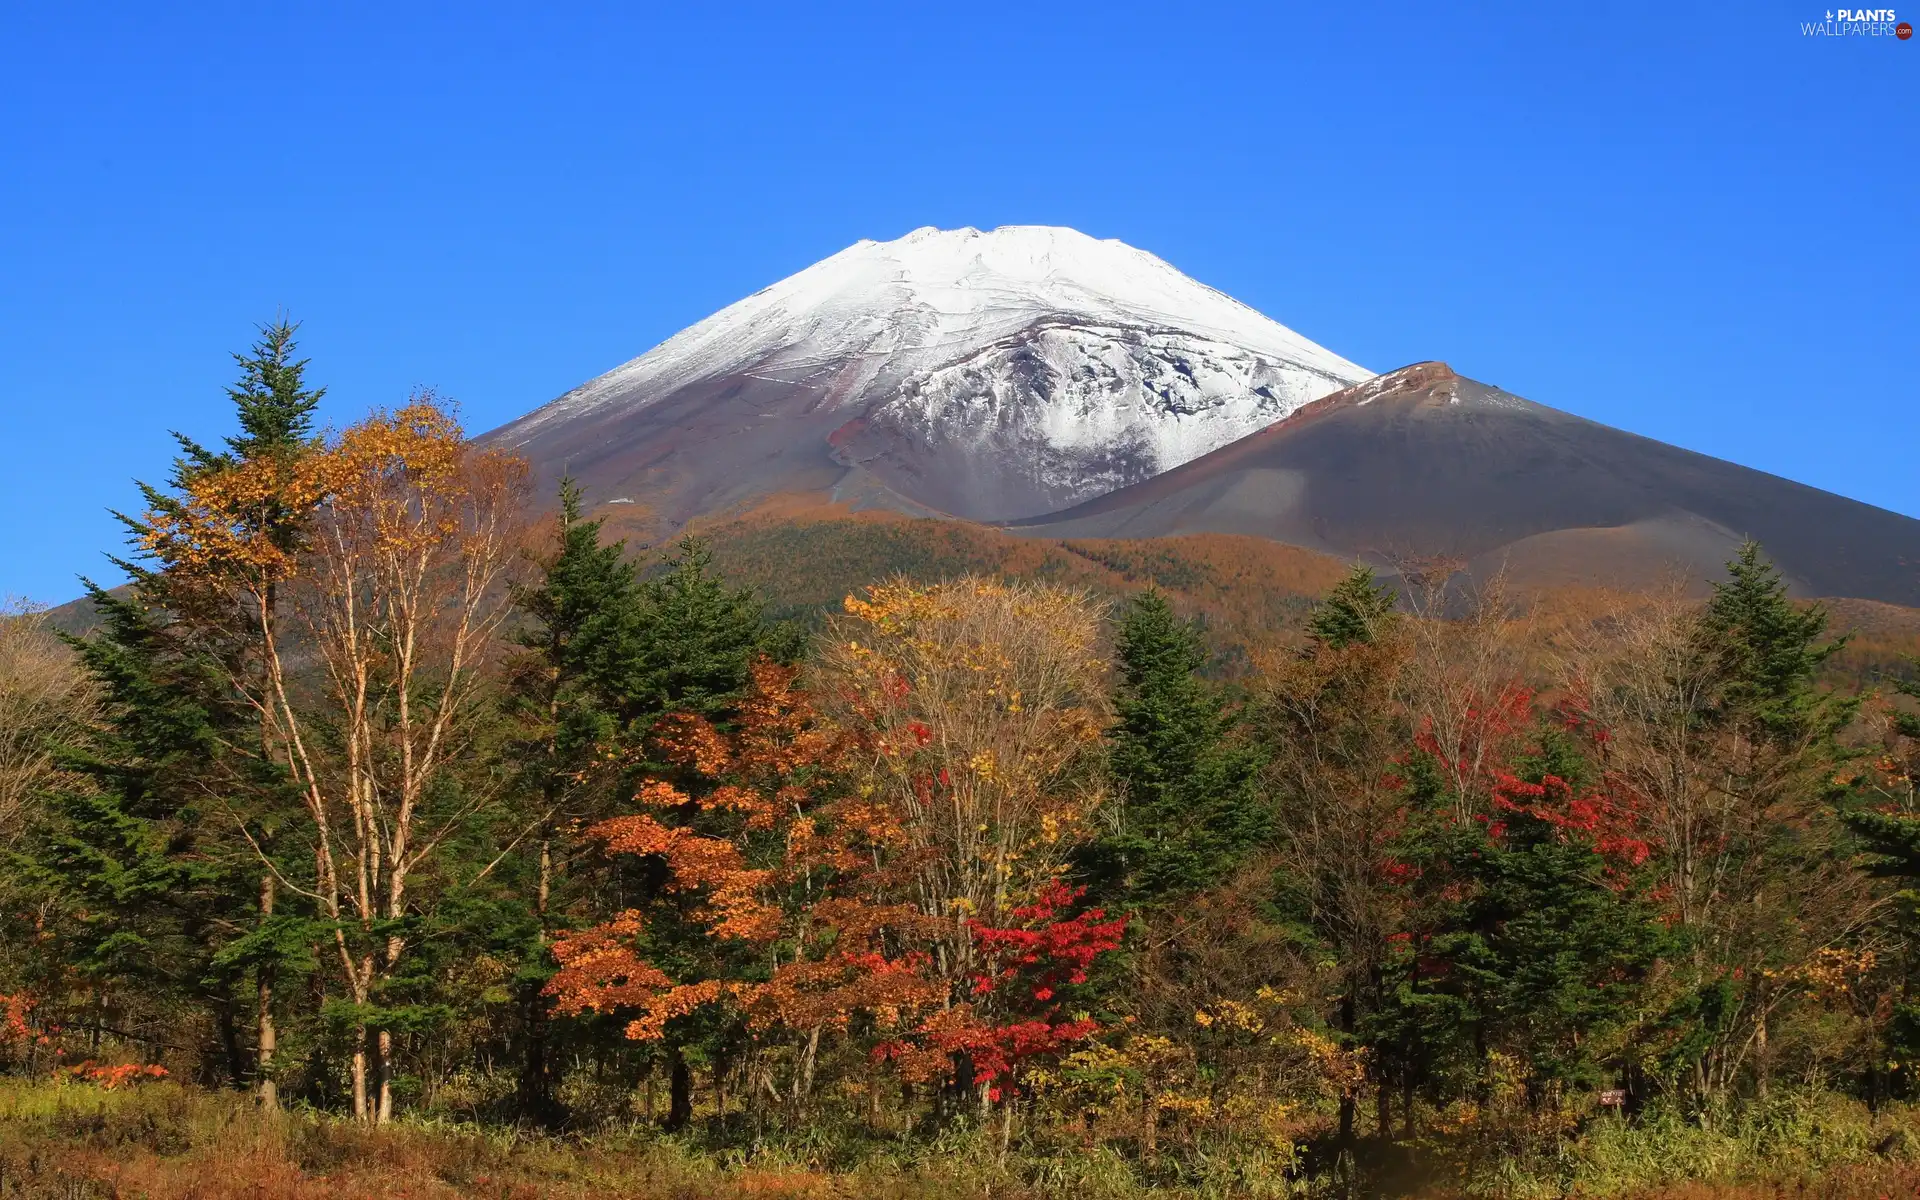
(1251, 592)
(806, 558)
(1423, 463)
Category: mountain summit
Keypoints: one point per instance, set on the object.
(1067, 387)
(989, 375)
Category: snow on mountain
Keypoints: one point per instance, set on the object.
(1019, 367)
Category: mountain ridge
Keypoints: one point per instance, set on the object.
(1424, 463)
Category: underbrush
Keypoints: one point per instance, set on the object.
(169, 1142)
(1807, 1143)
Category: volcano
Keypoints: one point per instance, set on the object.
(984, 375)
(1061, 386)
(1423, 464)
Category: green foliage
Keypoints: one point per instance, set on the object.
(609, 645)
(1893, 843)
(1322, 923)
(698, 636)
(138, 858)
(607, 654)
(272, 404)
(1354, 611)
(156, 860)
(582, 633)
(272, 401)
(1529, 935)
(1892, 832)
(1771, 652)
(1550, 952)
(1190, 813)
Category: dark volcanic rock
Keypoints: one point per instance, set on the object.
(1424, 463)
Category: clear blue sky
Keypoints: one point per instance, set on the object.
(1686, 220)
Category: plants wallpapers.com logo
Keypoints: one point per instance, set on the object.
(1858, 22)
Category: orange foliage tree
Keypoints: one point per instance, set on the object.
(887, 855)
(771, 857)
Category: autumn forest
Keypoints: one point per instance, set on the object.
(401, 816)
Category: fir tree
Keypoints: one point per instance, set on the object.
(585, 635)
(697, 637)
(1770, 651)
(1893, 851)
(582, 640)
(608, 655)
(138, 856)
(1190, 811)
(1355, 610)
(1892, 832)
(1549, 947)
(1889, 832)
(1529, 934)
(272, 403)
(180, 662)
(272, 400)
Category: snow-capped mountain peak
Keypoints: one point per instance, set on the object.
(938, 293)
(1055, 365)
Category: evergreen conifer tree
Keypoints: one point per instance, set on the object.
(585, 633)
(1546, 950)
(184, 780)
(609, 654)
(138, 857)
(1354, 611)
(696, 638)
(1770, 651)
(272, 401)
(272, 404)
(1190, 809)
(582, 640)
(1890, 834)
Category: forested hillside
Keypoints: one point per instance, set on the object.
(382, 803)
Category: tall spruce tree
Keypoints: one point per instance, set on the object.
(699, 637)
(1190, 811)
(138, 856)
(272, 405)
(272, 400)
(582, 640)
(1768, 734)
(1549, 944)
(696, 638)
(1771, 651)
(584, 635)
(1892, 830)
(1886, 821)
(609, 654)
(1355, 610)
(166, 654)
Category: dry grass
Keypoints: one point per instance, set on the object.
(1847, 1183)
(168, 1142)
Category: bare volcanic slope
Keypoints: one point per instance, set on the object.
(988, 376)
(1423, 463)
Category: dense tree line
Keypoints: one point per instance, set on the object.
(373, 793)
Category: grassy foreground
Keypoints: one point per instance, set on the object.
(171, 1142)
